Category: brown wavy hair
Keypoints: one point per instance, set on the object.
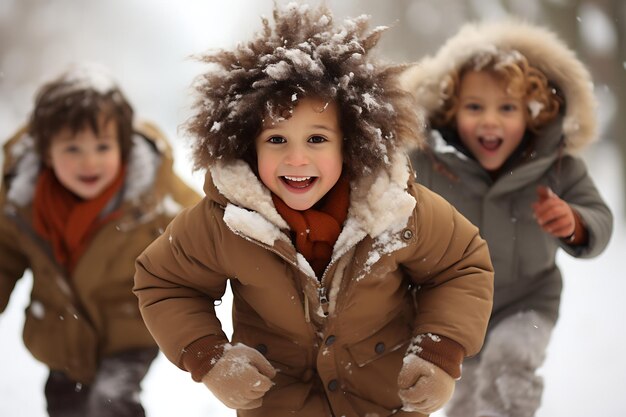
(521, 79)
(76, 99)
(302, 54)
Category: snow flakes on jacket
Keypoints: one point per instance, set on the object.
(378, 208)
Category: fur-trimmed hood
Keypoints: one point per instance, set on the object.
(543, 50)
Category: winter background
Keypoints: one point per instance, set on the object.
(148, 43)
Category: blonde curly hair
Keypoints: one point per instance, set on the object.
(543, 100)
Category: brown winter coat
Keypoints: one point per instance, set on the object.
(72, 321)
(402, 248)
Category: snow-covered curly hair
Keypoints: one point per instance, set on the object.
(302, 55)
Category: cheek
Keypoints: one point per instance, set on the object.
(465, 126)
(115, 163)
(265, 166)
(517, 129)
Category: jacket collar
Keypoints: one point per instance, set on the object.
(379, 205)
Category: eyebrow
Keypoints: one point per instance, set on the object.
(315, 127)
(324, 127)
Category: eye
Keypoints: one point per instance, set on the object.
(508, 107)
(317, 139)
(103, 147)
(71, 149)
(472, 106)
(276, 139)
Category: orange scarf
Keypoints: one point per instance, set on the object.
(316, 230)
(66, 220)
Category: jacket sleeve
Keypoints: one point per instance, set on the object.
(453, 274)
(178, 280)
(580, 192)
(13, 262)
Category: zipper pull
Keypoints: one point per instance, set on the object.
(323, 300)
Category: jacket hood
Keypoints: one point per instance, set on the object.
(543, 50)
(379, 204)
(22, 165)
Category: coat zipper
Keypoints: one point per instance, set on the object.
(321, 290)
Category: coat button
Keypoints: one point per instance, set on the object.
(380, 347)
(261, 348)
(407, 234)
(330, 340)
(333, 385)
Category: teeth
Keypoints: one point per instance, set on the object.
(297, 178)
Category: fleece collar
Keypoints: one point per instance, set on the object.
(379, 205)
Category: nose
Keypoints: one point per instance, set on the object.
(89, 160)
(297, 156)
(490, 118)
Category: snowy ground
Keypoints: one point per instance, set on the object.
(585, 371)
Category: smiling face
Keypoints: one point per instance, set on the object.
(491, 122)
(300, 158)
(86, 163)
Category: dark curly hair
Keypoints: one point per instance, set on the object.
(302, 55)
(75, 99)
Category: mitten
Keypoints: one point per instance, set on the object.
(240, 378)
(424, 387)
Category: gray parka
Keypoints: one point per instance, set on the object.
(523, 256)
(405, 263)
(74, 320)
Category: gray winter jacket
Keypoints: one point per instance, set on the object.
(523, 256)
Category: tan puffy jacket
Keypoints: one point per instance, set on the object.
(406, 263)
(72, 321)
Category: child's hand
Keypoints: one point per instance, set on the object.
(424, 387)
(554, 215)
(240, 377)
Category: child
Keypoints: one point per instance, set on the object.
(83, 193)
(509, 104)
(355, 291)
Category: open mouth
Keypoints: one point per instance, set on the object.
(490, 143)
(91, 179)
(299, 183)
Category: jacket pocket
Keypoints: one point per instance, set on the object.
(391, 337)
(372, 385)
(124, 328)
(64, 341)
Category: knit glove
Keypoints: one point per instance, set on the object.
(424, 387)
(240, 378)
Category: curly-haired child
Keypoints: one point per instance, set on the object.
(356, 291)
(509, 105)
(84, 191)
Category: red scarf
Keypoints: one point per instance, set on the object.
(66, 220)
(316, 230)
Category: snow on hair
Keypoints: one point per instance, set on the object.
(302, 54)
